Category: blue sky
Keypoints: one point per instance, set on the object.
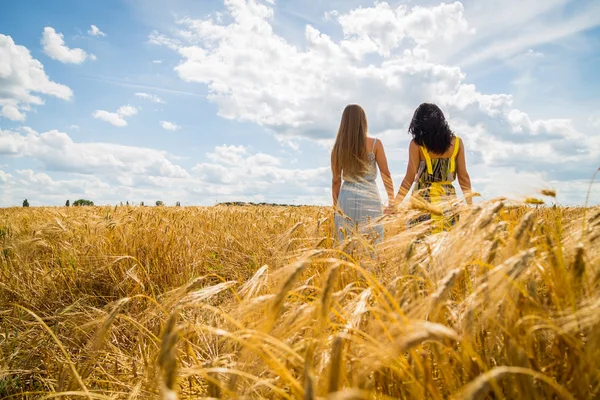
(199, 102)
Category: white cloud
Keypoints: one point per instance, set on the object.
(329, 15)
(57, 151)
(20, 77)
(387, 57)
(4, 177)
(157, 61)
(127, 111)
(387, 61)
(42, 189)
(112, 118)
(30, 177)
(55, 48)
(95, 31)
(162, 40)
(170, 126)
(387, 27)
(74, 127)
(109, 173)
(514, 36)
(534, 54)
(233, 172)
(301, 92)
(11, 112)
(501, 33)
(152, 97)
(594, 120)
(116, 118)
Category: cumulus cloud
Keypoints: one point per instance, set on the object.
(42, 189)
(55, 48)
(502, 34)
(387, 61)
(95, 31)
(387, 57)
(152, 97)
(534, 54)
(385, 27)
(20, 77)
(116, 118)
(235, 171)
(4, 177)
(255, 75)
(170, 126)
(58, 152)
(127, 111)
(109, 173)
(162, 40)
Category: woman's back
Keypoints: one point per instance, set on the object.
(438, 168)
(370, 169)
(355, 159)
(436, 158)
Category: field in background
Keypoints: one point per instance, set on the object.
(134, 302)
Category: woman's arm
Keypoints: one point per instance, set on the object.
(411, 171)
(385, 170)
(336, 181)
(463, 176)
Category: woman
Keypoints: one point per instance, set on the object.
(435, 158)
(354, 160)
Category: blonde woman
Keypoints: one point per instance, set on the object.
(354, 161)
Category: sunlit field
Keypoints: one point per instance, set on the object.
(260, 302)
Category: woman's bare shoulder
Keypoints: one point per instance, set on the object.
(373, 143)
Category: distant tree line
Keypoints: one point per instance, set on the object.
(82, 202)
(160, 203)
(241, 203)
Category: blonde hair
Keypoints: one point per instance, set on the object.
(349, 152)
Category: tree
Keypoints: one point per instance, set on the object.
(25, 203)
(178, 204)
(83, 202)
(142, 204)
(67, 204)
(128, 202)
(159, 203)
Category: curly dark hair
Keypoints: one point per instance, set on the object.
(429, 128)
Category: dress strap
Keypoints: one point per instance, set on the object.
(454, 154)
(374, 142)
(427, 160)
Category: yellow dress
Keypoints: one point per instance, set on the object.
(433, 183)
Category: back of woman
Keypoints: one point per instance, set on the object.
(354, 161)
(436, 159)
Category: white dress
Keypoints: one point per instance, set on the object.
(360, 203)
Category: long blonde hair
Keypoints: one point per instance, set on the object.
(349, 152)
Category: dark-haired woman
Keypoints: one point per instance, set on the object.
(436, 157)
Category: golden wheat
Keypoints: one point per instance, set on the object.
(261, 302)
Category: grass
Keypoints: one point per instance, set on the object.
(227, 302)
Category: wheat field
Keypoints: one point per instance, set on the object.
(261, 302)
